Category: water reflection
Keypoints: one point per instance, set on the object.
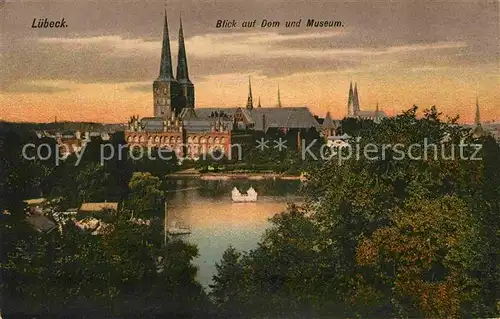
(222, 188)
(217, 222)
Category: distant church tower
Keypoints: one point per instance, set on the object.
(353, 101)
(279, 96)
(478, 130)
(186, 99)
(377, 117)
(356, 100)
(477, 120)
(350, 102)
(250, 99)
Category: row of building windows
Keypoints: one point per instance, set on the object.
(194, 150)
(203, 140)
(156, 139)
(172, 140)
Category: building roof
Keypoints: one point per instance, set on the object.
(197, 125)
(328, 122)
(152, 124)
(207, 112)
(286, 117)
(203, 125)
(371, 114)
(200, 119)
(41, 223)
(289, 117)
(34, 201)
(97, 207)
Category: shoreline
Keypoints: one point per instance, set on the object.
(230, 176)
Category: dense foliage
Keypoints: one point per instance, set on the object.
(125, 270)
(377, 237)
(66, 271)
(381, 237)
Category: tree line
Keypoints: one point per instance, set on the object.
(379, 238)
(374, 239)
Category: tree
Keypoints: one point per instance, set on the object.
(280, 278)
(21, 176)
(145, 193)
(117, 273)
(387, 236)
(228, 283)
(91, 183)
(422, 261)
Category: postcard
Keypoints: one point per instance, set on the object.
(249, 159)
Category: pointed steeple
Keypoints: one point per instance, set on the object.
(182, 66)
(356, 100)
(478, 130)
(478, 115)
(377, 113)
(259, 103)
(279, 97)
(249, 100)
(328, 122)
(350, 92)
(350, 102)
(328, 126)
(166, 61)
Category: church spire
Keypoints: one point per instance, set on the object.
(377, 113)
(166, 61)
(350, 102)
(279, 97)
(478, 130)
(182, 66)
(478, 115)
(356, 100)
(249, 100)
(350, 92)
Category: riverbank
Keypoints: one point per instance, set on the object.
(191, 173)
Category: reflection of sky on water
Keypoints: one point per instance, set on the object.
(216, 222)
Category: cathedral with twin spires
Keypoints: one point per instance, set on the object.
(190, 132)
(354, 110)
(172, 94)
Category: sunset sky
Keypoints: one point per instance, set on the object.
(101, 67)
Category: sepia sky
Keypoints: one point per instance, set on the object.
(101, 67)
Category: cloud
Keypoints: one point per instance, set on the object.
(429, 68)
(115, 59)
(109, 45)
(256, 45)
(33, 87)
(119, 43)
(143, 87)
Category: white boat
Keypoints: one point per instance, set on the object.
(238, 197)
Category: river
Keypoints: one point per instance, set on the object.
(216, 222)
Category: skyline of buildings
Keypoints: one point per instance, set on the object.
(178, 125)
